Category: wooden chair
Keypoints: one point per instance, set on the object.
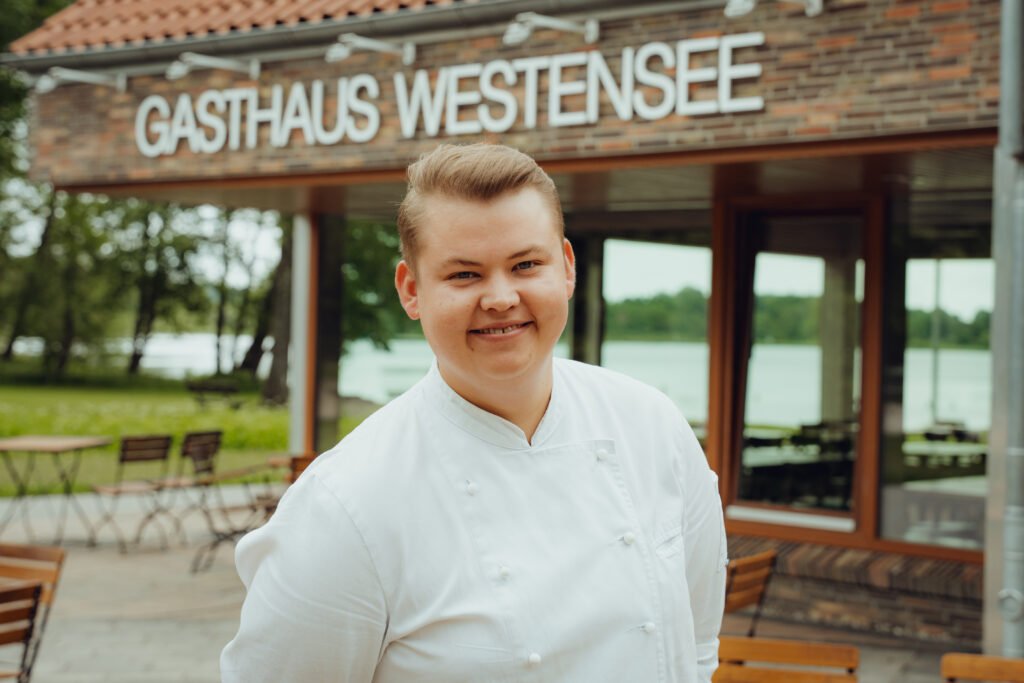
(764, 660)
(957, 666)
(40, 565)
(137, 451)
(746, 584)
(19, 606)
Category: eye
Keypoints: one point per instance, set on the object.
(526, 265)
(462, 275)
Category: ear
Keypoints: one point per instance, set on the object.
(570, 268)
(405, 283)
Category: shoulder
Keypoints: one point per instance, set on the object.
(613, 390)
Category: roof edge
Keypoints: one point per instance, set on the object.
(434, 18)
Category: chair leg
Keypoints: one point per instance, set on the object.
(108, 517)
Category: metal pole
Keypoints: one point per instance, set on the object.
(1006, 438)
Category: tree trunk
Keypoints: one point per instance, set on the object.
(29, 284)
(251, 362)
(275, 389)
(222, 292)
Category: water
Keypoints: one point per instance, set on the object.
(784, 381)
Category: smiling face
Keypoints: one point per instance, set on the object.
(490, 286)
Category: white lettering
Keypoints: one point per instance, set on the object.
(685, 76)
(658, 81)
(411, 104)
(557, 89)
(461, 98)
(368, 109)
(155, 147)
(215, 143)
(235, 97)
(258, 115)
(183, 125)
(531, 66)
(600, 76)
(296, 117)
(729, 72)
(333, 136)
(496, 94)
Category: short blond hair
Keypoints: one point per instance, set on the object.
(480, 171)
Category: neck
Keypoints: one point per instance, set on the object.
(522, 401)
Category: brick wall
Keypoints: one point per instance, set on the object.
(863, 68)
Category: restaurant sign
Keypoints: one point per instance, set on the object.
(653, 82)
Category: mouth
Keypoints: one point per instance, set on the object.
(499, 330)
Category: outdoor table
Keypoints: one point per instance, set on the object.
(65, 453)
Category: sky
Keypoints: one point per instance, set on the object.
(642, 269)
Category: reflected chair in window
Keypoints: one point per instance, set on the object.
(746, 584)
(38, 564)
(957, 666)
(763, 660)
(147, 453)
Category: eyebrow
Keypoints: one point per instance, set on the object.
(532, 249)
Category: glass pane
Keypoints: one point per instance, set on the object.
(937, 417)
(802, 381)
(656, 318)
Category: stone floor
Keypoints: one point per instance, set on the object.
(142, 617)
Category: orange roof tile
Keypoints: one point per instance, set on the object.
(95, 24)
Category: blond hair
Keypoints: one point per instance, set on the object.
(478, 172)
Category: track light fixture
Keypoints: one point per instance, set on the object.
(738, 8)
(351, 42)
(57, 75)
(187, 62)
(526, 22)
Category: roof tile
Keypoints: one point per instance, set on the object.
(97, 24)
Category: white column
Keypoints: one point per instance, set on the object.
(302, 234)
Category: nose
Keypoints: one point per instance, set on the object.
(500, 295)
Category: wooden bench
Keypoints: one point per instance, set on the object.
(763, 660)
(957, 666)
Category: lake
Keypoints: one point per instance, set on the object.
(784, 384)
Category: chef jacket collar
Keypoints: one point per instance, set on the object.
(485, 425)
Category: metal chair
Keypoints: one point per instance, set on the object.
(957, 666)
(137, 451)
(19, 605)
(746, 584)
(763, 660)
(41, 565)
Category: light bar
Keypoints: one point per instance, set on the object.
(57, 75)
(526, 22)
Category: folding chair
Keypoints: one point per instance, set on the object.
(763, 660)
(136, 452)
(37, 564)
(957, 666)
(19, 605)
(746, 584)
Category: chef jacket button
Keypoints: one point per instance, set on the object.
(472, 488)
(534, 659)
(504, 572)
(602, 454)
(649, 627)
(629, 538)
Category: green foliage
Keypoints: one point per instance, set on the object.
(952, 330)
(682, 316)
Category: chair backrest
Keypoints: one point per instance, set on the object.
(297, 464)
(41, 563)
(957, 666)
(201, 448)
(746, 583)
(765, 660)
(19, 605)
(136, 449)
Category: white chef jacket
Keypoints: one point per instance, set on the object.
(435, 543)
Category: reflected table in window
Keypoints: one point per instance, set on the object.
(943, 453)
(949, 511)
(65, 456)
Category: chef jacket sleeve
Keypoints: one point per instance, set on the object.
(706, 553)
(314, 608)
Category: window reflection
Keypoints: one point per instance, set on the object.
(801, 380)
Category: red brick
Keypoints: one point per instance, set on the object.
(905, 12)
(949, 73)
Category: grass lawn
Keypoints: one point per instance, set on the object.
(251, 433)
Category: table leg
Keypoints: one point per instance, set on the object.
(68, 474)
(18, 502)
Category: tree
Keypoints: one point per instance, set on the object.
(275, 389)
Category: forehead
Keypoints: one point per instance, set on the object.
(453, 224)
